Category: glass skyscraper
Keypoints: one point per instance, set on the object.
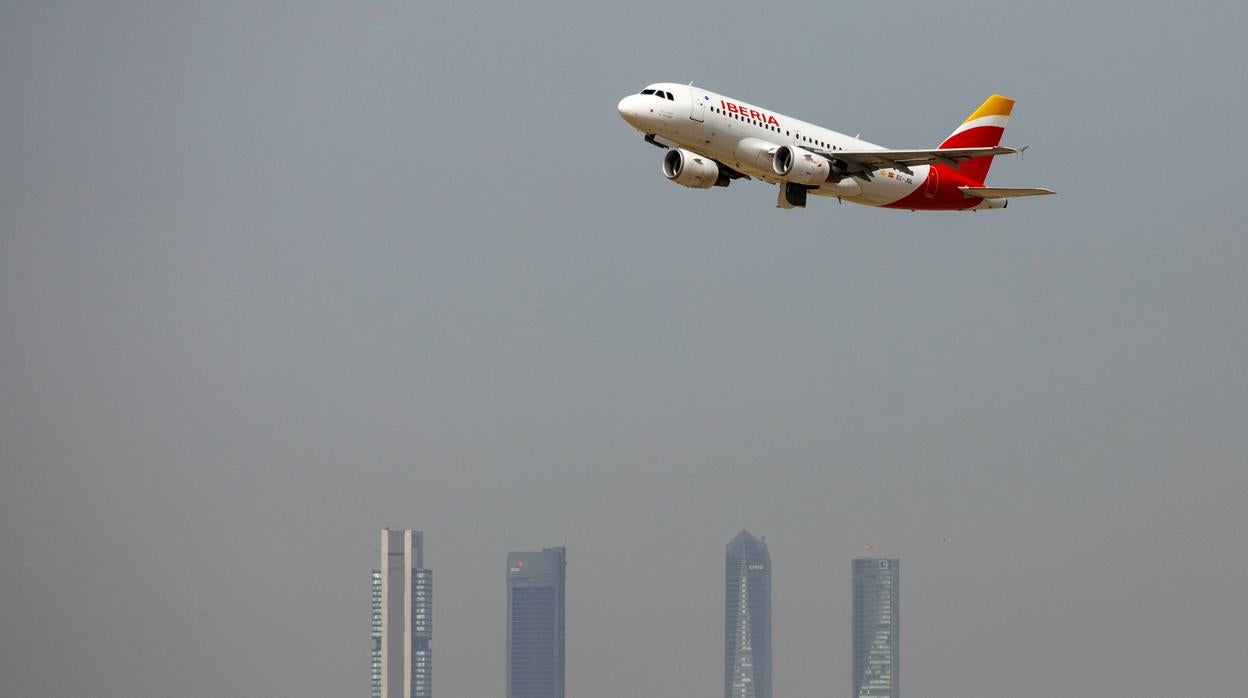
(535, 623)
(877, 656)
(402, 618)
(747, 618)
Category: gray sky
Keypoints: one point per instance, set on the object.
(273, 275)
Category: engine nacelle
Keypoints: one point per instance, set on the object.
(801, 166)
(689, 169)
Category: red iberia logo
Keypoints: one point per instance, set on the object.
(748, 113)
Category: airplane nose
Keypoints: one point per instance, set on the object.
(630, 108)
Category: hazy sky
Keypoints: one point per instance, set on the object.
(275, 274)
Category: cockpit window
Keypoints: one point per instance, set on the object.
(647, 92)
(670, 98)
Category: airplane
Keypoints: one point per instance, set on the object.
(712, 139)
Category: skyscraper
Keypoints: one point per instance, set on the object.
(402, 618)
(877, 656)
(535, 623)
(747, 618)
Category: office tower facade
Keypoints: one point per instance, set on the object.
(402, 618)
(877, 628)
(535, 623)
(747, 618)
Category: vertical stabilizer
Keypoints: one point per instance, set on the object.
(982, 129)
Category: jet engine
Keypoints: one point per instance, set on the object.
(689, 169)
(801, 166)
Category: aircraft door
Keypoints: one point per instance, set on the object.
(933, 182)
(697, 110)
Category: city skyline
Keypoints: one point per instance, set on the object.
(536, 621)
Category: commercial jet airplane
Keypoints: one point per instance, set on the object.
(713, 139)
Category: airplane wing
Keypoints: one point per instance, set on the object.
(867, 161)
(1003, 192)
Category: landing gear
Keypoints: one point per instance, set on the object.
(791, 195)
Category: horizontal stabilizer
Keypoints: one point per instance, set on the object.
(1003, 192)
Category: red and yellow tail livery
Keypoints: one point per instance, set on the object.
(982, 129)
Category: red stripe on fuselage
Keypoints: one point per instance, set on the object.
(946, 197)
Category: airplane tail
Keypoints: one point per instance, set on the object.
(983, 128)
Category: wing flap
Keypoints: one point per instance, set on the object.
(1003, 192)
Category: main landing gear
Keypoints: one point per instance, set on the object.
(791, 195)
